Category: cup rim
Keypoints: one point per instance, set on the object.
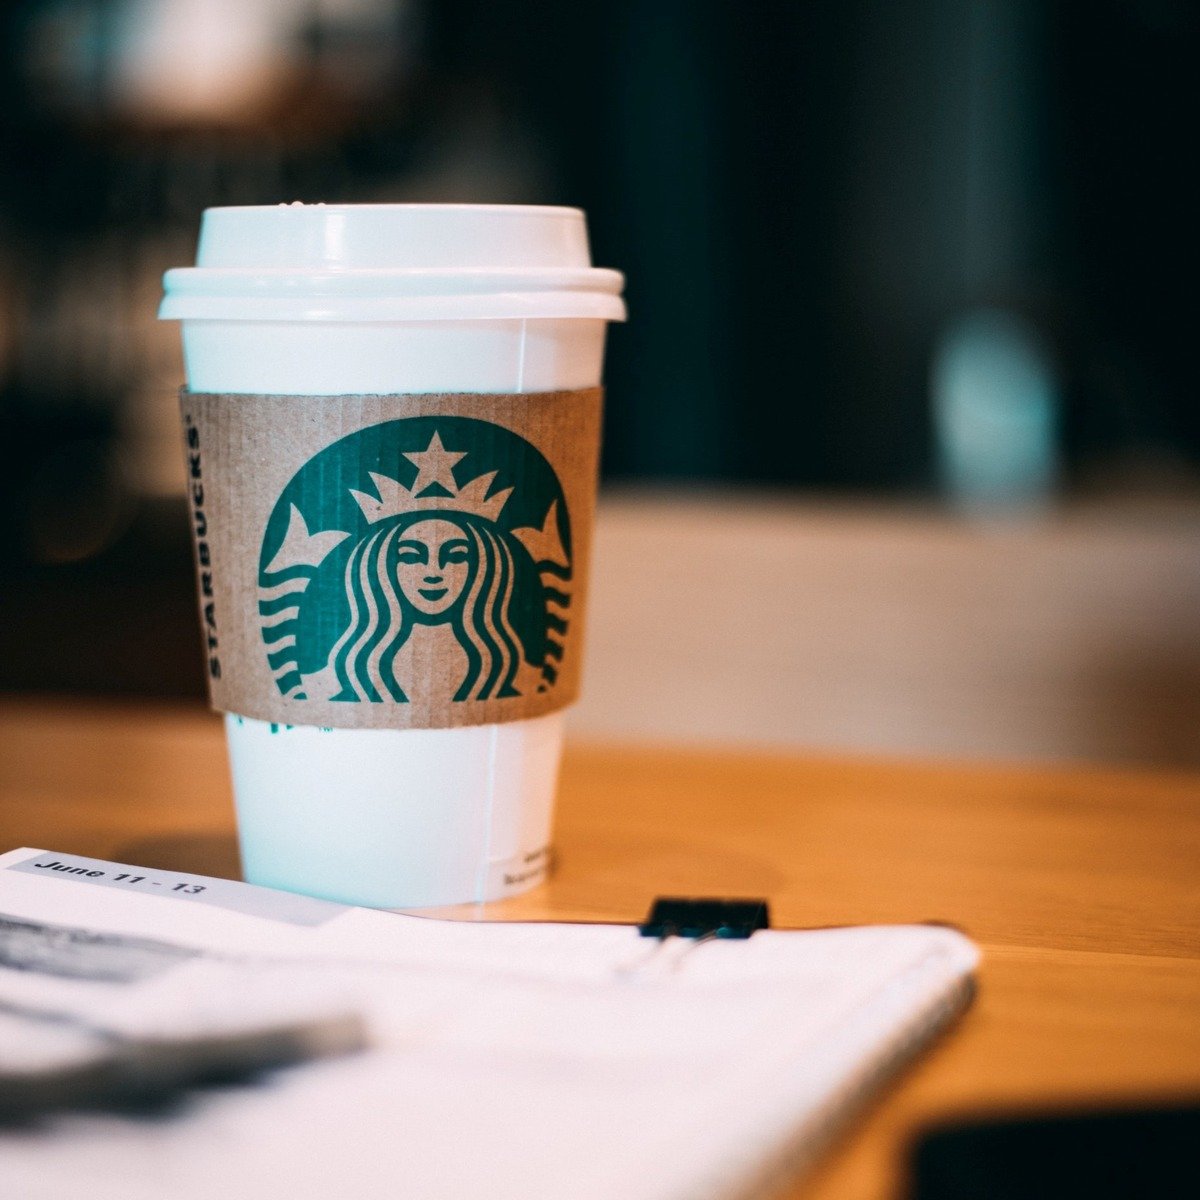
(564, 210)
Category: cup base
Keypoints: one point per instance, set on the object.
(396, 818)
(504, 880)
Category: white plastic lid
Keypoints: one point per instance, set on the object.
(387, 262)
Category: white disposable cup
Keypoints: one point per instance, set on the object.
(336, 300)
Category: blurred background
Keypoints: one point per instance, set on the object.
(902, 445)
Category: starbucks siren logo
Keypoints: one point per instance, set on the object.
(427, 558)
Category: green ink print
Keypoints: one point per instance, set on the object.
(427, 538)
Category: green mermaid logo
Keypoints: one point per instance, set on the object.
(391, 572)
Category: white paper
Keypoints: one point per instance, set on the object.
(530, 1060)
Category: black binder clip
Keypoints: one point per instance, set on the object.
(703, 918)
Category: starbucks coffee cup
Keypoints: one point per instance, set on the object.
(391, 422)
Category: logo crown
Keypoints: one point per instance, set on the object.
(435, 470)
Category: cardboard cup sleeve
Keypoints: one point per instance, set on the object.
(392, 562)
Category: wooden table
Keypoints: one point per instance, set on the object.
(1079, 883)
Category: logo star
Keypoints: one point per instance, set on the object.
(435, 466)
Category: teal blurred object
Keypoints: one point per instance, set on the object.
(996, 413)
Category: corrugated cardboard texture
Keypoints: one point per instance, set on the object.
(392, 562)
